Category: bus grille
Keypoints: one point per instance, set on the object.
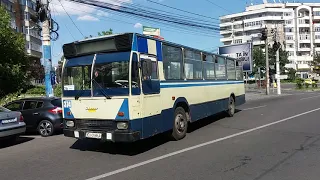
(105, 125)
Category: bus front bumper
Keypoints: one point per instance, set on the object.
(113, 136)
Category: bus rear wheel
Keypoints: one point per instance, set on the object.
(231, 107)
(180, 125)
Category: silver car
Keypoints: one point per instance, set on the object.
(11, 124)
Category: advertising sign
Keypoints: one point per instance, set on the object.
(242, 52)
(151, 31)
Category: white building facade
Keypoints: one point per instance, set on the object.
(297, 25)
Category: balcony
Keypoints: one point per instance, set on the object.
(226, 32)
(226, 39)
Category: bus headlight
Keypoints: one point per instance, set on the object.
(122, 125)
(70, 124)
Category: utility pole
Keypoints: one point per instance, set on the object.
(45, 18)
(264, 36)
(278, 71)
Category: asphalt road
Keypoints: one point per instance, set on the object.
(276, 138)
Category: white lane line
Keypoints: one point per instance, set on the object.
(196, 146)
(254, 108)
(310, 97)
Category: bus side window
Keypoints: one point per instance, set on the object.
(135, 80)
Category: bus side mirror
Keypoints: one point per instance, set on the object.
(146, 66)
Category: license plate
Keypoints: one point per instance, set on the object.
(7, 121)
(93, 135)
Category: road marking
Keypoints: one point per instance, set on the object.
(196, 146)
(254, 108)
(309, 97)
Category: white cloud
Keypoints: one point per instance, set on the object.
(80, 9)
(102, 13)
(138, 25)
(87, 18)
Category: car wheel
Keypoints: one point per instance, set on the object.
(180, 125)
(45, 128)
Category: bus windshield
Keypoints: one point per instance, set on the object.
(110, 74)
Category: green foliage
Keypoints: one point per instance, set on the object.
(259, 59)
(13, 62)
(314, 85)
(299, 83)
(38, 90)
(306, 85)
(283, 58)
(291, 74)
(57, 90)
(103, 33)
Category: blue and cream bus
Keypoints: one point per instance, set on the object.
(127, 87)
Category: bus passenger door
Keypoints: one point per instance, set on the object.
(151, 106)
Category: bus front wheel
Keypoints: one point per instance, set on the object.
(180, 125)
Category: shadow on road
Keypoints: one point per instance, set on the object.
(209, 120)
(132, 149)
(129, 149)
(6, 143)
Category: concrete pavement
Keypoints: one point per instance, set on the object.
(284, 150)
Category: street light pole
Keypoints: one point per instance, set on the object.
(267, 66)
(278, 72)
(46, 43)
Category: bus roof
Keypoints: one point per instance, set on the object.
(149, 37)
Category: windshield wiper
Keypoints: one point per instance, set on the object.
(101, 89)
(76, 97)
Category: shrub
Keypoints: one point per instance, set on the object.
(57, 90)
(307, 85)
(314, 85)
(299, 83)
(38, 90)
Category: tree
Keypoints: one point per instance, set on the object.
(13, 62)
(316, 63)
(283, 58)
(259, 59)
(291, 74)
(102, 33)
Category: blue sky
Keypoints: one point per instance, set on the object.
(90, 21)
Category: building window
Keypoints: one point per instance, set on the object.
(317, 29)
(317, 36)
(238, 41)
(316, 13)
(288, 21)
(288, 29)
(289, 37)
(291, 53)
(287, 14)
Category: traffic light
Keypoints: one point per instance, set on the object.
(264, 34)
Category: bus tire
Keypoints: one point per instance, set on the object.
(231, 107)
(180, 124)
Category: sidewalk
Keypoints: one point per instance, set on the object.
(252, 95)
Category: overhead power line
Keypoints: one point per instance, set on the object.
(181, 10)
(218, 6)
(71, 19)
(150, 15)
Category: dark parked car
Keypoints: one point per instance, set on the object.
(40, 114)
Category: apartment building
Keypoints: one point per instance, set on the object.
(22, 14)
(297, 26)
